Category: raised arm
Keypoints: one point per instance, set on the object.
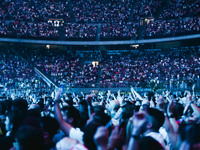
(139, 121)
(136, 94)
(65, 127)
(195, 108)
(170, 110)
(90, 107)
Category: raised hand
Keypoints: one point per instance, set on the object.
(171, 107)
(132, 90)
(139, 121)
(82, 94)
(118, 93)
(92, 93)
(58, 94)
(109, 93)
(193, 87)
(101, 137)
(189, 96)
(115, 137)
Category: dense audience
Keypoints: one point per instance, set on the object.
(34, 11)
(174, 69)
(91, 11)
(80, 31)
(101, 121)
(146, 8)
(118, 31)
(28, 30)
(177, 9)
(63, 67)
(112, 20)
(42, 117)
(37, 116)
(83, 11)
(171, 28)
(147, 69)
(17, 76)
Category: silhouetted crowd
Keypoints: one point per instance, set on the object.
(102, 120)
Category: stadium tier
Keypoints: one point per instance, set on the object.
(98, 20)
(100, 74)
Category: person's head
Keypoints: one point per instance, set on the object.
(2, 107)
(29, 138)
(101, 118)
(155, 119)
(71, 115)
(8, 104)
(127, 111)
(83, 106)
(99, 108)
(69, 99)
(32, 121)
(178, 110)
(34, 111)
(41, 103)
(8, 122)
(20, 105)
(190, 133)
(89, 132)
(18, 112)
(50, 125)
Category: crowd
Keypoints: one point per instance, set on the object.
(17, 76)
(94, 121)
(171, 28)
(28, 30)
(72, 31)
(176, 9)
(80, 31)
(118, 31)
(63, 67)
(174, 69)
(34, 11)
(82, 11)
(177, 18)
(146, 8)
(35, 116)
(177, 69)
(91, 11)
(119, 19)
